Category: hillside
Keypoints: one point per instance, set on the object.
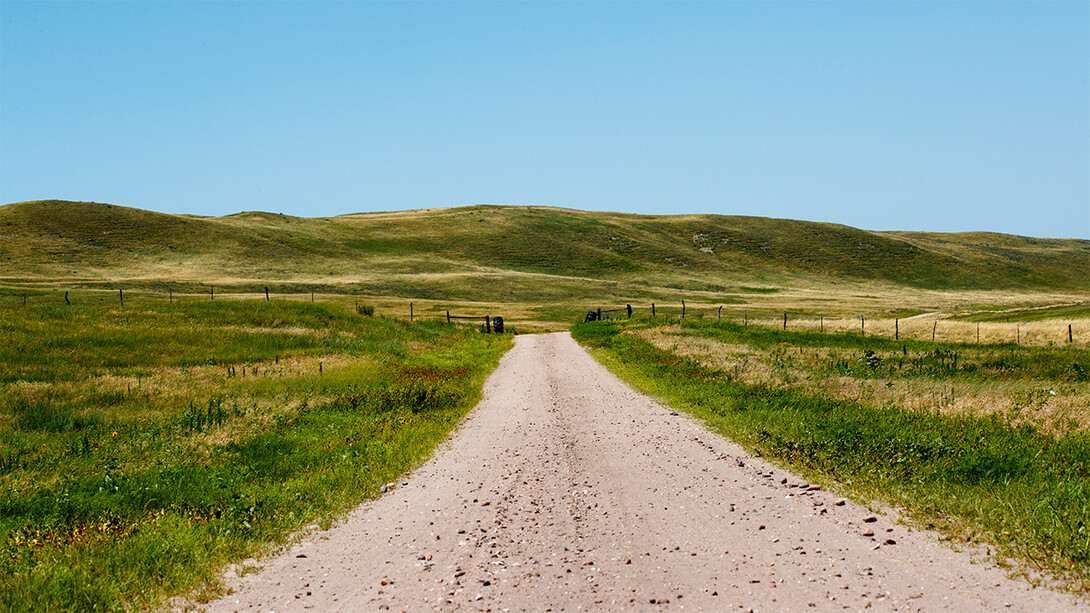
(497, 252)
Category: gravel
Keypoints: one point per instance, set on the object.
(566, 490)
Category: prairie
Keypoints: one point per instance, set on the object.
(543, 268)
(529, 255)
(143, 449)
(182, 392)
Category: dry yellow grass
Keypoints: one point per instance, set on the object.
(1052, 407)
(944, 330)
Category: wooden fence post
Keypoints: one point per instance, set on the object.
(863, 325)
(652, 309)
(212, 292)
(66, 298)
(1018, 332)
(683, 309)
(1070, 338)
(312, 295)
(821, 320)
(785, 320)
(120, 296)
(448, 317)
(267, 295)
(978, 333)
(410, 311)
(170, 293)
(934, 327)
(896, 329)
(719, 312)
(24, 299)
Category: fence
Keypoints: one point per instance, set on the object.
(914, 328)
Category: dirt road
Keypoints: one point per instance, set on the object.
(565, 490)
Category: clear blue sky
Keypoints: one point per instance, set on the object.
(937, 116)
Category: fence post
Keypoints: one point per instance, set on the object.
(170, 293)
(410, 311)
(267, 296)
(120, 296)
(785, 320)
(822, 323)
(978, 333)
(683, 309)
(863, 325)
(745, 317)
(448, 317)
(66, 298)
(896, 329)
(934, 327)
(212, 292)
(652, 309)
(1070, 338)
(1018, 331)
(719, 312)
(312, 295)
(24, 299)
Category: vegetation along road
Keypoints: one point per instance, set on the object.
(567, 490)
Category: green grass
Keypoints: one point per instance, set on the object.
(516, 253)
(142, 451)
(1073, 311)
(1025, 491)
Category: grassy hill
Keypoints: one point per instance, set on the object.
(509, 252)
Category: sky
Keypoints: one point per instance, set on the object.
(924, 116)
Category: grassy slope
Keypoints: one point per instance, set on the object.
(490, 252)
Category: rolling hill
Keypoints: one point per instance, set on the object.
(509, 252)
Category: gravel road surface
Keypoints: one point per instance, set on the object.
(565, 490)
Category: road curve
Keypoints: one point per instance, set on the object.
(565, 490)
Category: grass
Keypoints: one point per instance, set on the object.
(491, 253)
(1045, 386)
(979, 477)
(540, 268)
(1032, 314)
(135, 440)
(142, 450)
